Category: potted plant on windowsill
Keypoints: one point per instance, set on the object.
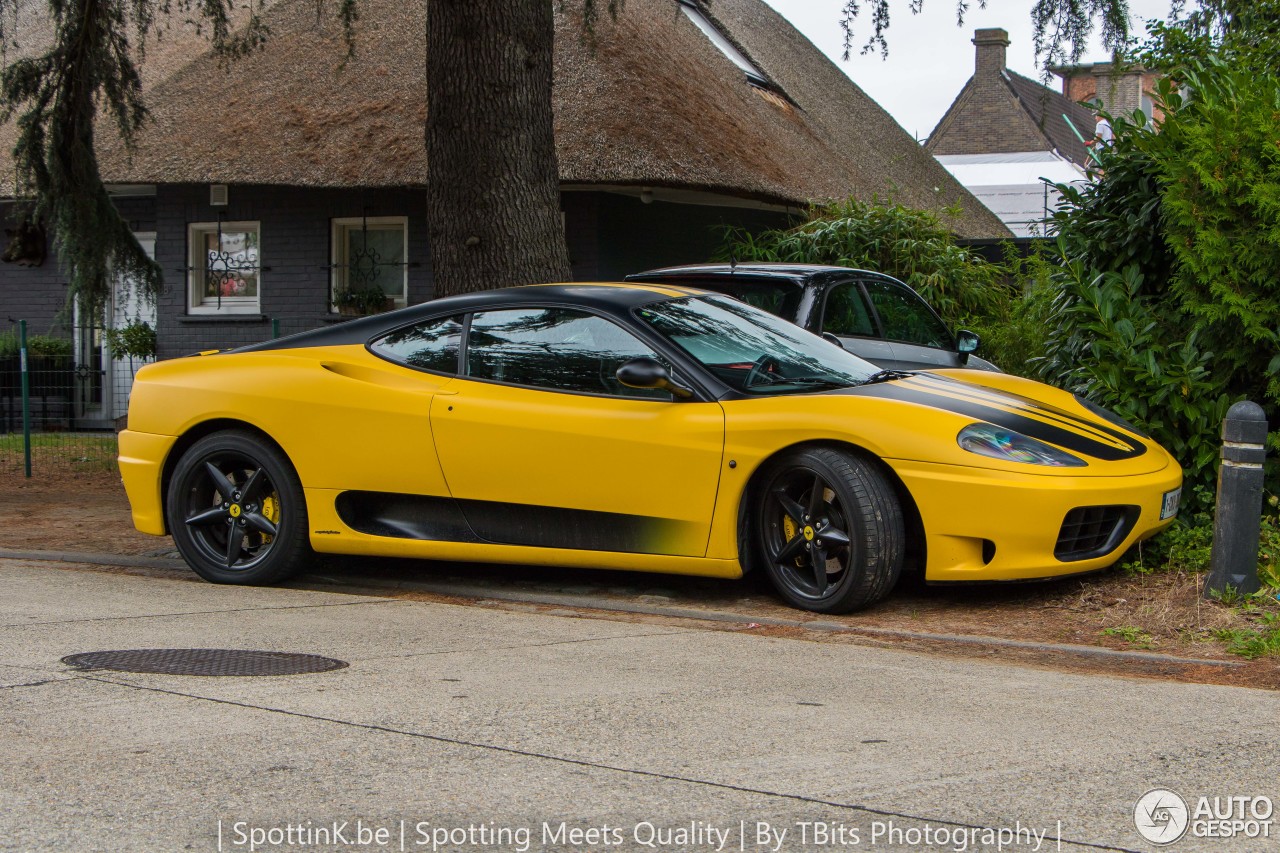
(361, 301)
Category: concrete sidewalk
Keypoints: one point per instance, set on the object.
(463, 728)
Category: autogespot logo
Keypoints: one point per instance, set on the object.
(1161, 816)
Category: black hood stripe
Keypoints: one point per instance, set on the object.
(1016, 402)
(1065, 430)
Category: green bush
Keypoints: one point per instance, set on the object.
(1016, 331)
(47, 345)
(1111, 343)
(1221, 202)
(37, 345)
(1269, 550)
(1168, 296)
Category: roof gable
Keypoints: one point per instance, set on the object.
(1002, 112)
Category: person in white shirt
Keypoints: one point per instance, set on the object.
(1102, 134)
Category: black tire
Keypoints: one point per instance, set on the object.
(236, 510)
(834, 509)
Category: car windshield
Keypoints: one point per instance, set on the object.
(753, 351)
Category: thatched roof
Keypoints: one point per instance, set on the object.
(650, 102)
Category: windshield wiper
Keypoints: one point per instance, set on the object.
(886, 376)
(815, 380)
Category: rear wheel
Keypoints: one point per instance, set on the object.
(829, 530)
(236, 510)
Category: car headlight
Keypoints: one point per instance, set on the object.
(1000, 443)
(1109, 416)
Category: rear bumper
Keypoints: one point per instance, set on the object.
(142, 457)
(983, 525)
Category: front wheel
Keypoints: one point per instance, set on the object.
(236, 510)
(829, 529)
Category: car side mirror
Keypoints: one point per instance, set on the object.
(832, 339)
(966, 343)
(651, 373)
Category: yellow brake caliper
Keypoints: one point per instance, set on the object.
(791, 531)
(271, 512)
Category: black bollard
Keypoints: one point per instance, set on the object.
(1237, 519)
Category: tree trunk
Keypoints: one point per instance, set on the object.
(493, 183)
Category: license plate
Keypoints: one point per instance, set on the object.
(1169, 506)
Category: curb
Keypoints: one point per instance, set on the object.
(592, 602)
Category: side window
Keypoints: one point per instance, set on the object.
(906, 317)
(846, 312)
(556, 348)
(431, 345)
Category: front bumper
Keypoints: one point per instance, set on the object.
(984, 525)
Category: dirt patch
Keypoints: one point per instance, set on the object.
(72, 510)
(1163, 614)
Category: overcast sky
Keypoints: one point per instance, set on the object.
(930, 58)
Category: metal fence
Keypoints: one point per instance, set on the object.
(77, 391)
(62, 398)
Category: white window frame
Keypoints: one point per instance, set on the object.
(197, 259)
(339, 229)
(694, 13)
(1147, 103)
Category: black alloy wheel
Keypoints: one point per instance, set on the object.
(236, 510)
(830, 530)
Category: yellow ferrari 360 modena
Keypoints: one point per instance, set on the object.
(644, 427)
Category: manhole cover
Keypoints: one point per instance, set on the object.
(204, 662)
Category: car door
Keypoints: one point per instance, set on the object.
(847, 315)
(917, 334)
(541, 445)
(908, 333)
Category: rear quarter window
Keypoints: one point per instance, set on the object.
(430, 345)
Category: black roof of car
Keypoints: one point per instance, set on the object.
(604, 297)
(797, 273)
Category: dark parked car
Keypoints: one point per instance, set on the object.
(870, 314)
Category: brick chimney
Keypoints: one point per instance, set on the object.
(989, 57)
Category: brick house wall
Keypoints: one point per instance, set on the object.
(609, 235)
(296, 233)
(1119, 93)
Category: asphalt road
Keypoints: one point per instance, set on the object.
(465, 728)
